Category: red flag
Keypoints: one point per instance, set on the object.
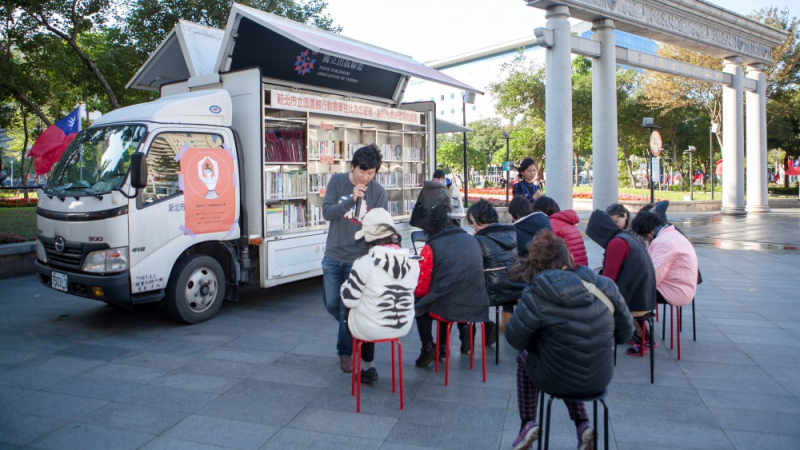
(718, 171)
(50, 145)
(776, 178)
(793, 167)
(698, 176)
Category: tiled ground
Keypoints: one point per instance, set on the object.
(264, 374)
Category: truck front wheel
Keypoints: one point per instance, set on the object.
(196, 289)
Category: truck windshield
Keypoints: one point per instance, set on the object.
(97, 161)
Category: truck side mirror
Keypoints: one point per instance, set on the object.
(138, 170)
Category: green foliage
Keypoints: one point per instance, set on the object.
(792, 190)
(19, 222)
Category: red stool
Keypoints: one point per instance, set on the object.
(355, 378)
(678, 310)
(439, 321)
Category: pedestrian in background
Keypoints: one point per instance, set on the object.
(526, 185)
(527, 222)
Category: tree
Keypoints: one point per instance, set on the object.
(149, 21)
(581, 112)
(69, 20)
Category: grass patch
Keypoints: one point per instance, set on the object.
(19, 221)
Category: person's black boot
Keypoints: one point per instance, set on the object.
(427, 354)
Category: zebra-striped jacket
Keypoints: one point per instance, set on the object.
(380, 293)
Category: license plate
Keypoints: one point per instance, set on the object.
(58, 281)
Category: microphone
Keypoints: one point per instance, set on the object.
(358, 207)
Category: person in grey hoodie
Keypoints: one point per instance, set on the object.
(348, 197)
(433, 191)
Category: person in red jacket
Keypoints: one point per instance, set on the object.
(564, 225)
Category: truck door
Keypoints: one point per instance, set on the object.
(157, 216)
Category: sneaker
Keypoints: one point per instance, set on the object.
(426, 355)
(347, 363)
(636, 338)
(586, 436)
(369, 376)
(491, 333)
(527, 436)
(636, 348)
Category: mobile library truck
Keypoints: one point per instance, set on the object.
(217, 184)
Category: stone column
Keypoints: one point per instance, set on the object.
(558, 108)
(605, 187)
(757, 141)
(733, 139)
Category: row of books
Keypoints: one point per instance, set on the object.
(284, 145)
(317, 149)
(412, 154)
(285, 184)
(316, 181)
(391, 152)
(412, 180)
(389, 180)
(296, 214)
(286, 216)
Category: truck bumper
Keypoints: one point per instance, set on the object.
(112, 288)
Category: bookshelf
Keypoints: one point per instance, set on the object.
(304, 149)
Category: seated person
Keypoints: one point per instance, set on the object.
(627, 263)
(526, 222)
(451, 283)
(565, 226)
(674, 259)
(565, 335)
(499, 248)
(379, 292)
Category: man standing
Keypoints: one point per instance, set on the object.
(432, 193)
(348, 197)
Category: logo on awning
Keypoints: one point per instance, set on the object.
(305, 63)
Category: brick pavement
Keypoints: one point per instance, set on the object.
(264, 373)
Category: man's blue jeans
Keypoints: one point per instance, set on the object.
(334, 274)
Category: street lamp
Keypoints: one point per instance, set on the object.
(507, 164)
(655, 149)
(690, 151)
(711, 169)
(466, 97)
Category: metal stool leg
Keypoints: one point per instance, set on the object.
(594, 421)
(694, 330)
(541, 418)
(652, 353)
(547, 426)
(497, 335)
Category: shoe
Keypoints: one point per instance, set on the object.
(369, 376)
(636, 338)
(504, 320)
(636, 348)
(347, 363)
(491, 333)
(426, 355)
(586, 436)
(464, 335)
(527, 436)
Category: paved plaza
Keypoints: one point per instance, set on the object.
(77, 374)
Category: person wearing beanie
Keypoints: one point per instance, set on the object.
(379, 292)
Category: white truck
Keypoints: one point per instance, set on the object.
(217, 184)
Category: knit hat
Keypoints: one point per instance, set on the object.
(377, 224)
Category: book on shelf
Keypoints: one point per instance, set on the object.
(286, 215)
(284, 145)
(316, 181)
(279, 185)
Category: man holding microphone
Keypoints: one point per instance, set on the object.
(348, 197)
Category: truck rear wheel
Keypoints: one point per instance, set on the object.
(196, 289)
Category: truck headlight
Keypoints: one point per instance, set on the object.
(107, 261)
(41, 254)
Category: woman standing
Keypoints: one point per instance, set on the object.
(526, 185)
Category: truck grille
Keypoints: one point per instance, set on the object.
(72, 255)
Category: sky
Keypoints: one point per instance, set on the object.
(428, 30)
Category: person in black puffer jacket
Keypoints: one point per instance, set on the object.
(499, 247)
(566, 334)
(451, 283)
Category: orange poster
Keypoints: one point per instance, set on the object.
(209, 194)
